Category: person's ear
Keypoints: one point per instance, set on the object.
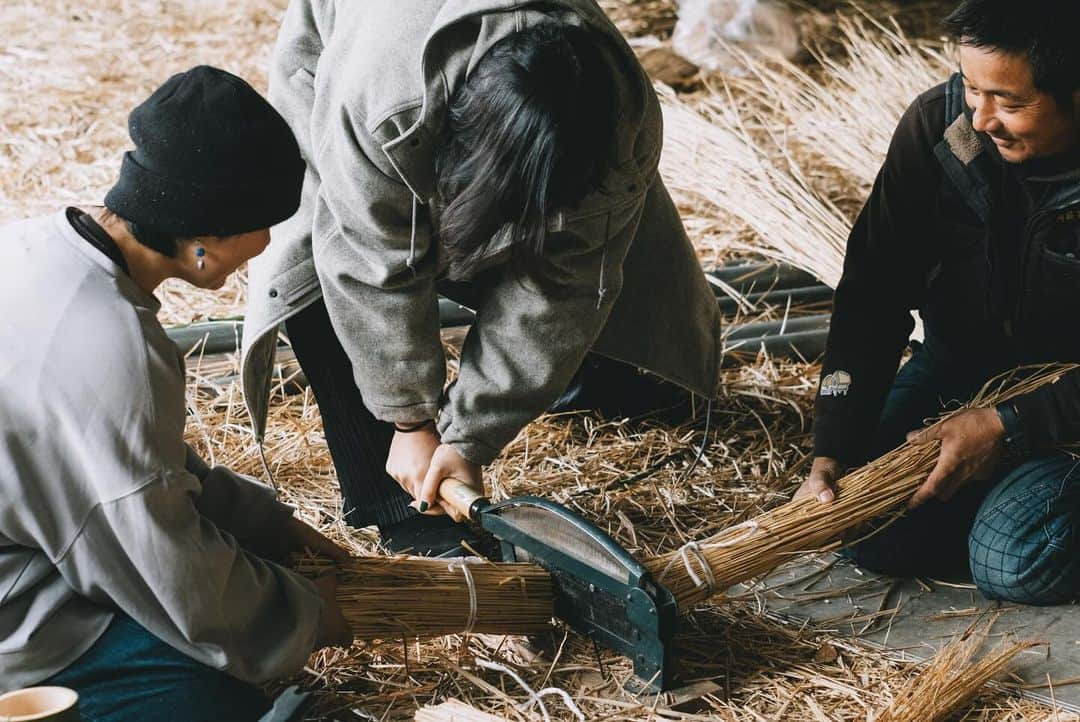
(192, 256)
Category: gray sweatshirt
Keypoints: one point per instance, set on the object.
(102, 505)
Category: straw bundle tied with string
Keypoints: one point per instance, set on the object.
(699, 570)
(391, 597)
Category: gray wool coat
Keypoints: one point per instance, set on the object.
(365, 87)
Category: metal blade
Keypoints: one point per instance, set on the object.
(548, 533)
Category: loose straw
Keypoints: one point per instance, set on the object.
(454, 710)
(950, 681)
(883, 486)
(390, 597)
(535, 697)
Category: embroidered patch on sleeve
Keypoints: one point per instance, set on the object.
(836, 384)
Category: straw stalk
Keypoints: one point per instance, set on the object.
(950, 681)
(453, 710)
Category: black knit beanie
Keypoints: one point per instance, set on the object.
(212, 158)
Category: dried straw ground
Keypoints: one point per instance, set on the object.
(69, 72)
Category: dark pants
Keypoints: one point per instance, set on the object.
(359, 443)
(1016, 533)
(129, 675)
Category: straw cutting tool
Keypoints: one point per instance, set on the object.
(600, 590)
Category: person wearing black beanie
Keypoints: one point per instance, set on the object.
(211, 158)
(130, 570)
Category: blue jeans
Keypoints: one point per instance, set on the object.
(129, 675)
(1016, 533)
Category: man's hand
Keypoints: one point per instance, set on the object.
(298, 537)
(824, 473)
(446, 463)
(410, 457)
(971, 446)
(333, 630)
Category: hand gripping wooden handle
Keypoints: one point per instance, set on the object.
(457, 495)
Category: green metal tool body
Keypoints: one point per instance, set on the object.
(600, 590)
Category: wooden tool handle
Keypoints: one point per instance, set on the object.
(457, 495)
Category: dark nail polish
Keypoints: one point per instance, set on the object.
(423, 507)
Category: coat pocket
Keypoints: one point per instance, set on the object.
(1054, 286)
(295, 284)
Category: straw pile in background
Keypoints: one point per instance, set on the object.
(636, 18)
(404, 597)
(710, 158)
(789, 151)
(69, 74)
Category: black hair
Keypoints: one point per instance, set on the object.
(530, 131)
(163, 243)
(1044, 31)
(167, 244)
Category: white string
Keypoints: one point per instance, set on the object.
(749, 528)
(463, 564)
(692, 553)
(688, 553)
(411, 262)
(536, 697)
(266, 466)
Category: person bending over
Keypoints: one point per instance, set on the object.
(505, 155)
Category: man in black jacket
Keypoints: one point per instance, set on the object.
(974, 220)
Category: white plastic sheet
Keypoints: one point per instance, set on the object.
(708, 30)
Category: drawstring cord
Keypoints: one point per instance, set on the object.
(411, 263)
(602, 290)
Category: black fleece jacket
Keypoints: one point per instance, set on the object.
(988, 253)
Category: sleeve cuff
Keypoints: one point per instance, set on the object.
(474, 451)
(1031, 410)
(841, 440)
(408, 414)
(252, 511)
(471, 449)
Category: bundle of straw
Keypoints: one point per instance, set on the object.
(699, 570)
(390, 597)
(846, 113)
(788, 152)
(951, 680)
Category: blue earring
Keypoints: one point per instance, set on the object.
(200, 256)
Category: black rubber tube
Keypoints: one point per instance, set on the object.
(798, 346)
(780, 297)
(758, 277)
(774, 328)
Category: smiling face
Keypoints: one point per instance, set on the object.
(1022, 121)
